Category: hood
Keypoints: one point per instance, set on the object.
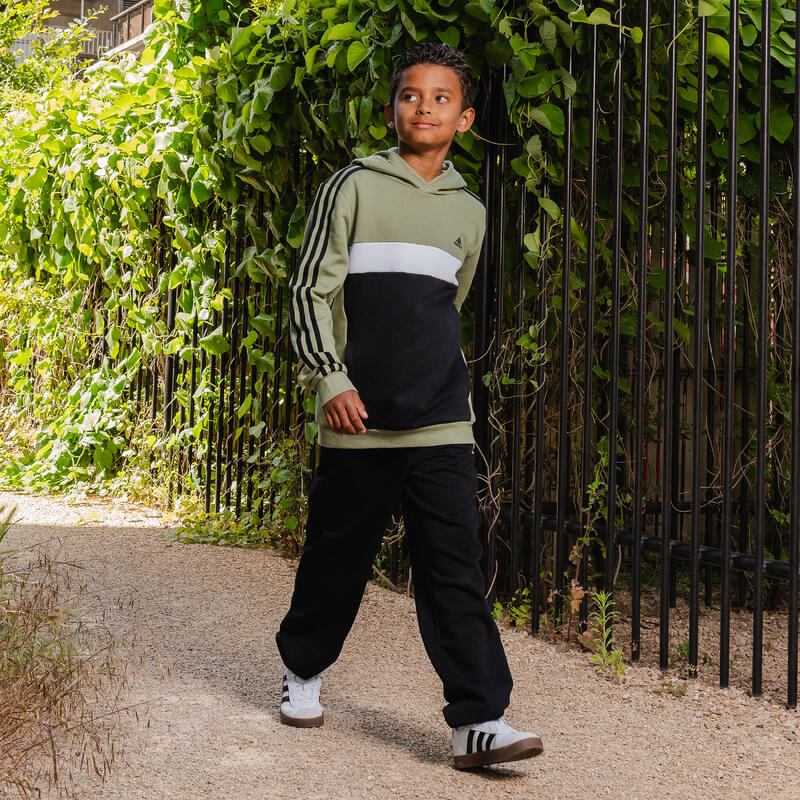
(392, 163)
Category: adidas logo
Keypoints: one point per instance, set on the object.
(457, 243)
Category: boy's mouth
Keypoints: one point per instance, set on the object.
(423, 124)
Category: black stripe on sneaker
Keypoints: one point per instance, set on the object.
(470, 738)
(286, 699)
(488, 742)
(479, 743)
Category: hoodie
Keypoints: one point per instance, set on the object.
(386, 262)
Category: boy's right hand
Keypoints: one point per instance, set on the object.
(345, 412)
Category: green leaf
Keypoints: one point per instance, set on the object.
(450, 36)
(780, 124)
(256, 430)
(600, 16)
(240, 39)
(245, 406)
(282, 475)
(264, 324)
(551, 207)
(215, 342)
(535, 85)
(578, 235)
(201, 192)
(707, 8)
(309, 58)
(294, 234)
(103, 456)
(310, 431)
(570, 86)
(408, 25)
(356, 53)
(550, 117)
(682, 329)
(228, 90)
(749, 34)
(719, 48)
(280, 76)
(263, 362)
(344, 30)
(547, 33)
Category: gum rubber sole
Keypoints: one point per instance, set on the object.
(524, 748)
(302, 722)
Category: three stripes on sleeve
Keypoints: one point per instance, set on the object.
(308, 338)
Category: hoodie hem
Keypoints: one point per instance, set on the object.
(429, 436)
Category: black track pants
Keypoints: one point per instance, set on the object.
(352, 498)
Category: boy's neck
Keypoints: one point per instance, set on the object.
(428, 165)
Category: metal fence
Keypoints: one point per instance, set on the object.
(686, 424)
(627, 374)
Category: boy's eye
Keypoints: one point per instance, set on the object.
(442, 97)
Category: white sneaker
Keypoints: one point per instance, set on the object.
(300, 701)
(491, 743)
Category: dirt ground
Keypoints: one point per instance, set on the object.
(196, 626)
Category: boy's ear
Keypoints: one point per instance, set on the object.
(388, 112)
(466, 120)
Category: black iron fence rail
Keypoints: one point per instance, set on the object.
(672, 421)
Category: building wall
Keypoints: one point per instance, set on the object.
(70, 11)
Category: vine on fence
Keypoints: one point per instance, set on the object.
(120, 185)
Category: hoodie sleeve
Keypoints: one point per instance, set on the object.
(321, 271)
(466, 272)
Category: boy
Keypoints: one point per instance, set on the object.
(389, 252)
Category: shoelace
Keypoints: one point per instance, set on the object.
(306, 690)
(494, 726)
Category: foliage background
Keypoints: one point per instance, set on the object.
(122, 183)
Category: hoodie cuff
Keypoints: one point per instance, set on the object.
(333, 384)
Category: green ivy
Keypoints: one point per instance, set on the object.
(108, 172)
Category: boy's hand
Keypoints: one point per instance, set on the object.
(345, 412)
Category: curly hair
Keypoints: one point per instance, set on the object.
(434, 53)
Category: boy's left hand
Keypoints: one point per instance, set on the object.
(345, 412)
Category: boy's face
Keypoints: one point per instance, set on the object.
(427, 108)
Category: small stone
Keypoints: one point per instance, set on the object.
(791, 736)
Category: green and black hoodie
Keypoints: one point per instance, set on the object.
(386, 262)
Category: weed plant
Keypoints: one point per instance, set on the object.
(59, 686)
(605, 655)
(278, 513)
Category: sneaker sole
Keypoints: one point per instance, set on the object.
(302, 722)
(524, 748)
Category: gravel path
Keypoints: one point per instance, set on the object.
(197, 625)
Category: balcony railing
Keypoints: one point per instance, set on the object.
(92, 48)
(132, 22)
